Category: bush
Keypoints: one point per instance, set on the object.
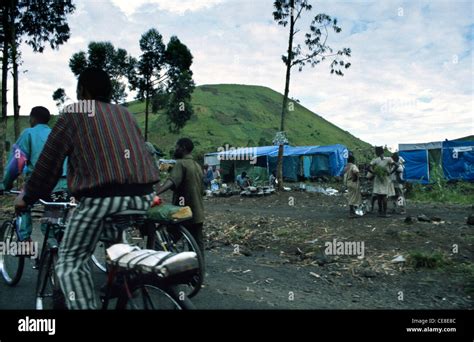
(426, 260)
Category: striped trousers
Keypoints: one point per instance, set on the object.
(82, 233)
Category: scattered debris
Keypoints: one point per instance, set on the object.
(470, 220)
(423, 218)
(368, 273)
(399, 258)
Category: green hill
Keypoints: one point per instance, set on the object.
(244, 115)
(241, 116)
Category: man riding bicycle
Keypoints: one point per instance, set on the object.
(109, 171)
(23, 158)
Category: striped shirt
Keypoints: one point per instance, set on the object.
(107, 156)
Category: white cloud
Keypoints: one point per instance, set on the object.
(179, 7)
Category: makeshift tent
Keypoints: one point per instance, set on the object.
(304, 161)
(316, 161)
(422, 161)
(458, 160)
(452, 159)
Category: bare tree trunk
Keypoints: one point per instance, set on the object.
(285, 96)
(16, 106)
(147, 101)
(6, 41)
(3, 119)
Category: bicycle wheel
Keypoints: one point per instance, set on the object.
(11, 266)
(48, 291)
(152, 297)
(177, 239)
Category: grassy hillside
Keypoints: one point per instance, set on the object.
(241, 116)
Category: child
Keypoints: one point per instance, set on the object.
(351, 179)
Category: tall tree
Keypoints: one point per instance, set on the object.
(163, 78)
(313, 51)
(103, 55)
(35, 23)
(60, 97)
(180, 84)
(147, 74)
(5, 35)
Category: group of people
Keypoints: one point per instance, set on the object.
(103, 162)
(386, 174)
(211, 174)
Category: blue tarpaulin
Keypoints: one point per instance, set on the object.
(416, 166)
(317, 160)
(458, 160)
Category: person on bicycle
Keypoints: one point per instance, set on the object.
(185, 180)
(109, 170)
(23, 158)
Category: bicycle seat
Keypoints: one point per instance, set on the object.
(170, 221)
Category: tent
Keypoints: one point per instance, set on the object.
(298, 161)
(312, 161)
(452, 159)
(458, 160)
(422, 161)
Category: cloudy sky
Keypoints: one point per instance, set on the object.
(411, 78)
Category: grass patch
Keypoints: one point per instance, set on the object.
(442, 191)
(467, 270)
(419, 259)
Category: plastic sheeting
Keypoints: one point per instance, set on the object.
(416, 166)
(317, 160)
(458, 160)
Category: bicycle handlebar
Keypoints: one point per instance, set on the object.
(58, 204)
(43, 202)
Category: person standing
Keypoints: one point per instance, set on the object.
(351, 180)
(396, 176)
(383, 187)
(209, 176)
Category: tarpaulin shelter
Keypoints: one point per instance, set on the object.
(298, 161)
(458, 160)
(452, 159)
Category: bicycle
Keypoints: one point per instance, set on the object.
(172, 236)
(168, 236)
(130, 286)
(11, 264)
(48, 291)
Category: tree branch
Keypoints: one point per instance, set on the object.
(299, 14)
(312, 56)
